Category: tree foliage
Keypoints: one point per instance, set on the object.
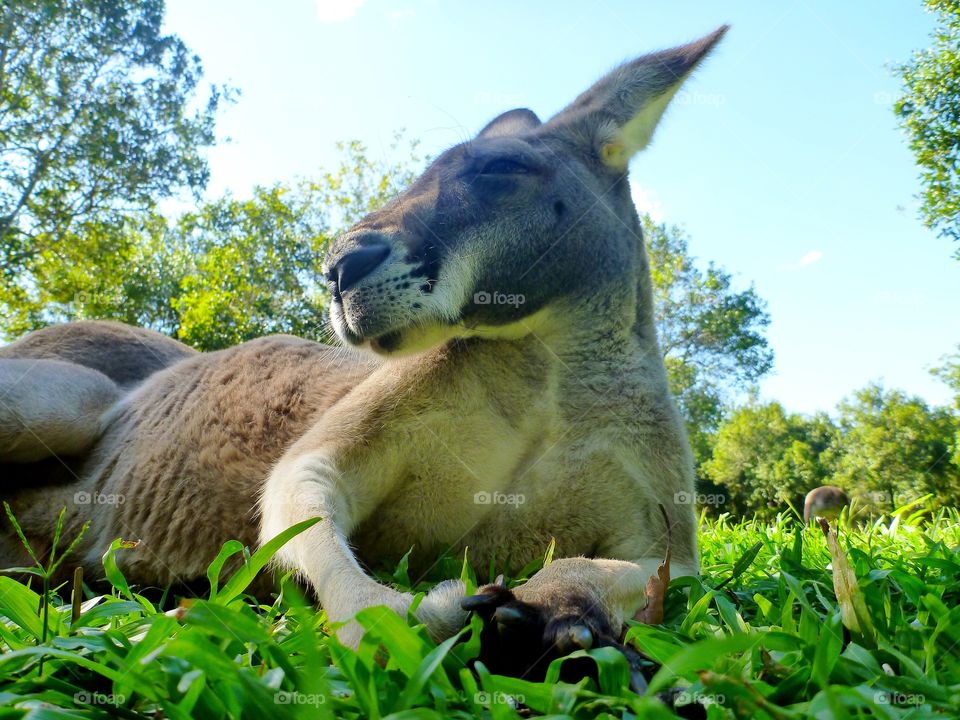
(949, 373)
(896, 448)
(99, 116)
(885, 448)
(929, 111)
(711, 335)
(765, 458)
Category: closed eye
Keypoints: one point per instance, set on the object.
(504, 166)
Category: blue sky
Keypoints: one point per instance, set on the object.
(782, 159)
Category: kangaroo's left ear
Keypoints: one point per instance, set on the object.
(620, 112)
(512, 122)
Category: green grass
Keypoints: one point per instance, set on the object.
(758, 636)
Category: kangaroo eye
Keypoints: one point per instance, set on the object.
(504, 166)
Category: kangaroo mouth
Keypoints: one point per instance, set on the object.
(382, 340)
(389, 331)
(398, 341)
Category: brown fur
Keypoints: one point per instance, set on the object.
(125, 354)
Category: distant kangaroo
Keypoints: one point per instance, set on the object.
(515, 393)
(826, 501)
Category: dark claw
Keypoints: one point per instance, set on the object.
(487, 600)
(477, 603)
(521, 639)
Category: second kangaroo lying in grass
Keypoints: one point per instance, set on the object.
(519, 395)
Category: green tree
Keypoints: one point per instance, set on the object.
(255, 268)
(226, 272)
(895, 448)
(99, 117)
(764, 457)
(711, 336)
(929, 111)
(126, 270)
(949, 373)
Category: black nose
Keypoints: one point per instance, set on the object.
(357, 264)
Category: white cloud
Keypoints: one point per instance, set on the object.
(647, 202)
(402, 13)
(810, 258)
(334, 11)
(814, 256)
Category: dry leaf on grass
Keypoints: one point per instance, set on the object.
(853, 608)
(656, 589)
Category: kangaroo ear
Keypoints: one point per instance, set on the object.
(512, 122)
(621, 111)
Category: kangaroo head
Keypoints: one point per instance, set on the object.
(528, 224)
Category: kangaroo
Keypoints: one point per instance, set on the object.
(826, 501)
(500, 385)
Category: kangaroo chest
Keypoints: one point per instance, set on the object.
(501, 484)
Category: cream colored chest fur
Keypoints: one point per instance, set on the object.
(502, 468)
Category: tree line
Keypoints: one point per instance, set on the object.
(103, 117)
(884, 447)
